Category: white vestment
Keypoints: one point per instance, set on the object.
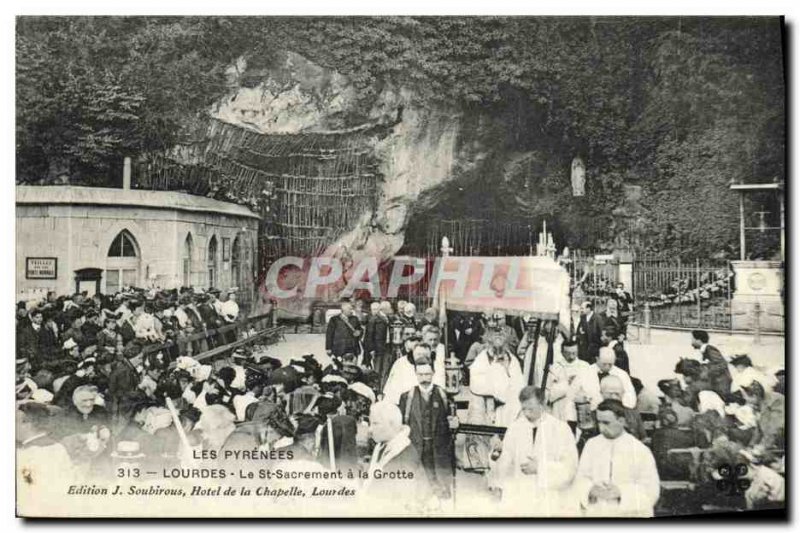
(494, 380)
(625, 463)
(547, 492)
(629, 394)
(565, 382)
(536, 365)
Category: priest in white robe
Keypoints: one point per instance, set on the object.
(538, 462)
(495, 380)
(605, 367)
(571, 380)
(617, 475)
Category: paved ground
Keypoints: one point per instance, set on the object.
(656, 360)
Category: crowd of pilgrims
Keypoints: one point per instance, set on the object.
(583, 436)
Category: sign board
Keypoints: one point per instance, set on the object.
(602, 259)
(41, 268)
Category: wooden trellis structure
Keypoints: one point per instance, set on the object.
(309, 188)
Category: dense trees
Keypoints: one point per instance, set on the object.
(680, 107)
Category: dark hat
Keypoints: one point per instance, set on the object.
(242, 354)
(267, 363)
(328, 404)
(741, 359)
(169, 388)
(669, 386)
(132, 350)
(214, 291)
(156, 361)
(266, 412)
(227, 375)
(180, 373)
(86, 363)
(105, 356)
(191, 413)
(309, 366)
(253, 377)
(74, 314)
(689, 367)
(287, 376)
(306, 424)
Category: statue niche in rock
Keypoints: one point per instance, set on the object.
(578, 177)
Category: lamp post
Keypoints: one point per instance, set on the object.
(452, 386)
(452, 372)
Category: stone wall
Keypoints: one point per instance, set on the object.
(79, 236)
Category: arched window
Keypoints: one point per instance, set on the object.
(188, 250)
(122, 263)
(212, 262)
(237, 258)
(122, 246)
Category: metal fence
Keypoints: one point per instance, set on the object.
(591, 279)
(681, 294)
(678, 294)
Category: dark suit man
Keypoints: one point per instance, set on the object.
(375, 337)
(341, 429)
(719, 375)
(610, 337)
(625, 305)
(590, 328)
(210, 318)
(468, 330)
(425, 412)
(343, 333)
(29, 332)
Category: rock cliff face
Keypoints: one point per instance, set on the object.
(433, 160)
(426, 162)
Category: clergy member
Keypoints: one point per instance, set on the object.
(605, 367)
(617, 474)
(538, 462)
(571, 381)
